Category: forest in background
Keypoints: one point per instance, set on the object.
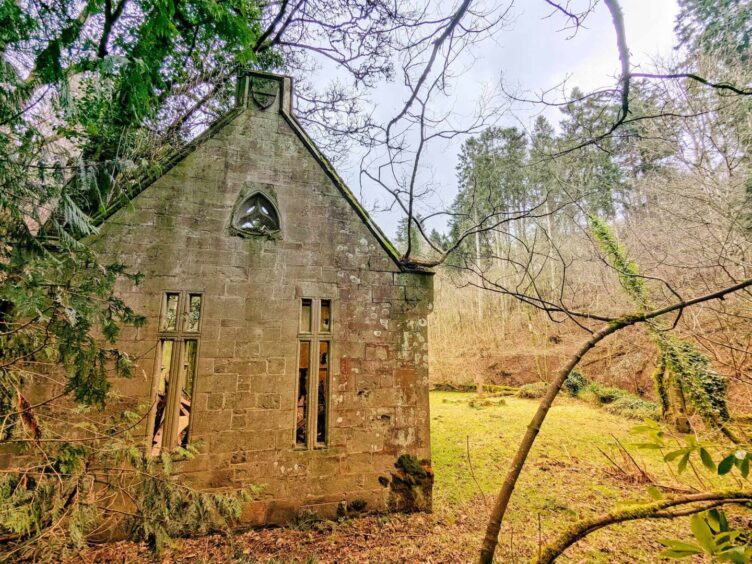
(675, 188)
(678, 196)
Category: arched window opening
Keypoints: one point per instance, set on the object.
(257, 215)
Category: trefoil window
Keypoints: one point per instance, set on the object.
(256, 216)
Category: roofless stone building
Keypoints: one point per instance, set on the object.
(283, 331)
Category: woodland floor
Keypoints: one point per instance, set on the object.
(567, 478)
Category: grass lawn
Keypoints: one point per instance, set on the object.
(566, 478)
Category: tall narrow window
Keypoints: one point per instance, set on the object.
(186, 391)
(194, 313)
(175, 375)
(323, 388)
(163, 382)
(325, 319)
(301, 427)
(306, 311)
(170, 315)
(314, 350)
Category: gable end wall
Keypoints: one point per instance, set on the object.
(176, 232)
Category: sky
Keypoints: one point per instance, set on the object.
(530, 55)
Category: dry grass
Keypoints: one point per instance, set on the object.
(567, 478)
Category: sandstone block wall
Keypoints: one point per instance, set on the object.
(177, 233)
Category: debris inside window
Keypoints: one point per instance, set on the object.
(166, 349)
(326, 316)
(302, 403)
(186, 394)
(323, 392)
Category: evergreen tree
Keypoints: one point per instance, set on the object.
(721, 27)
(541, 173)
(415, 238)
(591, 172)
(491, 178)
(439, 239)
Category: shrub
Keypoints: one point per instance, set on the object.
(575, 383)
(480, 403)
(532, 391)
(633, 407)
(618, 401)
(603, 395)
(493, 390)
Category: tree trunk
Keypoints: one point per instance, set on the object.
(491, 539)
(477, 262)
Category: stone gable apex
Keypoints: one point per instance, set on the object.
(253, 90)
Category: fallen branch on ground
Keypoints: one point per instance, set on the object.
(656, 510)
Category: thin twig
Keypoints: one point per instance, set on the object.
(472, 472)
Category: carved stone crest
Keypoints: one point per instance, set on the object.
(263, 91)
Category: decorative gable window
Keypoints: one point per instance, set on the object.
(256, 216)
